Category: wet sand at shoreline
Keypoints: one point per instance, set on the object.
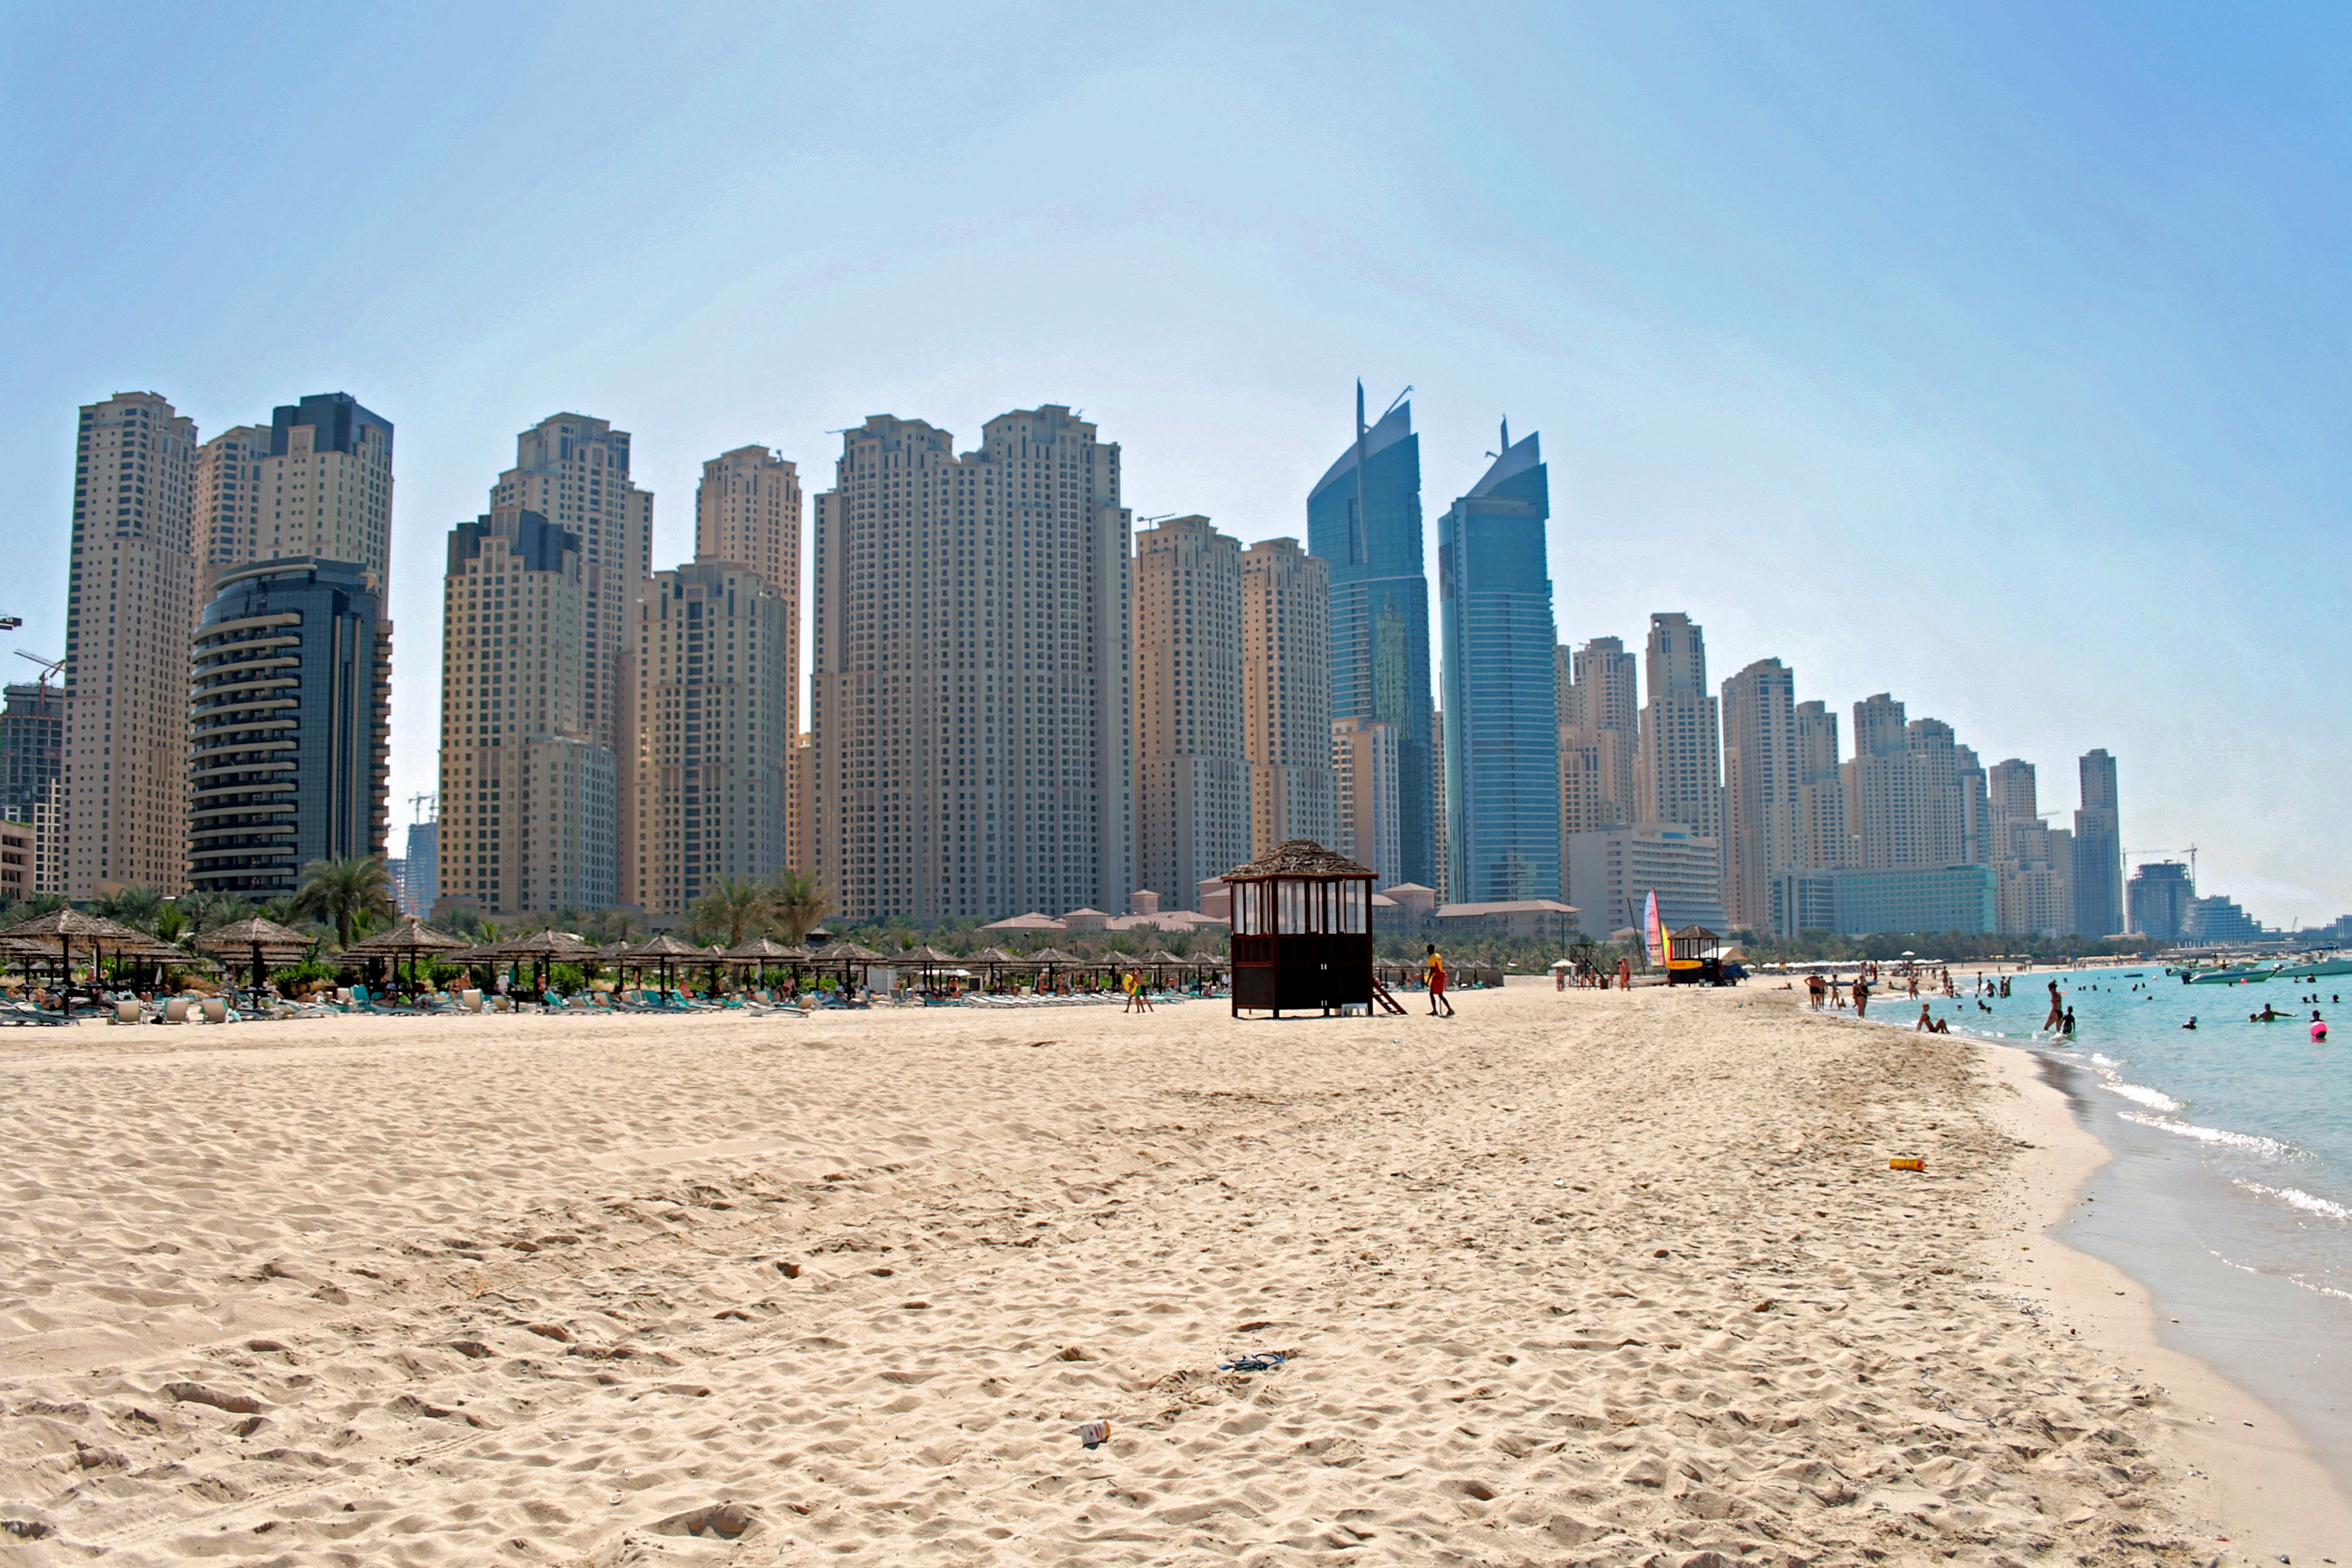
(1570, 1279)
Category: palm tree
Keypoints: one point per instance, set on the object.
(344, 891)
(799, 903)
(132, 906)
(733, 907)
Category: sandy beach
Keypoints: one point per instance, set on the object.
(1572, 1279)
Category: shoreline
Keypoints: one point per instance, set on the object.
(1575, 1277)
(2255, 1478)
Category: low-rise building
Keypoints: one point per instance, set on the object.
(1851, 901)
(1612, 872)
(1546, 919)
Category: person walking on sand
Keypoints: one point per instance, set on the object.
(1625, 974)
(1432, 969)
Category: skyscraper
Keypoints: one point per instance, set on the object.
(971, 681)
(228, 508)
(1679, 778)
(1364, 775)
(529, 792)
(1363, 518)
(2159, 897)
(32, 758)
(1192, 766)
(573, 472)
(420, 882)
(1287, 695)
(289, 725)
(713, 746)
(1824, 841)
(326, 484)
(130, 606)
(1762, 829)
(1601, 734)
(1911, 791)
(2098, 849)
(1502, 717)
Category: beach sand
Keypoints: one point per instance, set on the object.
(1570, 1279)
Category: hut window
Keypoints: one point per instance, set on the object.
(1352, 905)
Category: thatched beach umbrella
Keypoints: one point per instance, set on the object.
(663, 950)
(259, 940)
(71, 929)
(540, 949)
(410, 939)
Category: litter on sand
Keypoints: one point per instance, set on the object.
(1899, 1165)
(1266, 1363)
(1095, 1434)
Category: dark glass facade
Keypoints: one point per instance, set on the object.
(1502, 725)
(289, 725)
(32, 745)
(1364, 518)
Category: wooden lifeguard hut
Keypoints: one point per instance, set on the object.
(1302, 931)
(1687, 962)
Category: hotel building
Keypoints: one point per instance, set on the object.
(1761, 830)
(972, 674)
(1193, 809)
(1287, 695)
(1679, 774)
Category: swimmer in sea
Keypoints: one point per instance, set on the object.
(2190, 1024)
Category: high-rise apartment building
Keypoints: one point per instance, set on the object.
(289, 725)
(1913, 793)
(228, 509)
(2032, 863)
(573, 472)
(714, 738)
(2098, 849)
(1364, 775)
(1679, 774)
(800, 795)
(1763, 832)
(1287, 695)
(971, 688)
(32, 760)
(1824, 841)
(747, 509)
(1502, 716)
(528, 791)
(1597, 690)
(1363, 518)
(326, 484)
(420, 879)
(1192, 766)
(2158, 898)
(130, 606)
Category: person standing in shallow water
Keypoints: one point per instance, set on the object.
(2057, 1011)
(1861, 997)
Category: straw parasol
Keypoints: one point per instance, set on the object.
(761, 951)
(540, 949)
(260, 940)
(410, 939)
(662, 951)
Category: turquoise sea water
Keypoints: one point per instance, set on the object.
(2231, 1194)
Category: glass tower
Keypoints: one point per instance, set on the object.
(1363, 518)
(1502, 720)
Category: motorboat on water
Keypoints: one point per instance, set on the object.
(2316, 971)
(2236, 974)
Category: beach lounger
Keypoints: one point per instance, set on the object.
(176, 1010)
(469, 1001)
(215, 1011)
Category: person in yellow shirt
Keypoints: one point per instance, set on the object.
(1433, 970)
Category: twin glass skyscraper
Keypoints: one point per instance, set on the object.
(1363, 518)
(1502, 718)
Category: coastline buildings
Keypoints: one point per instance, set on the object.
(420, 876)
(1363, 518)
(2157, 899)
(1502, 716)
(1601, 734)
(32, 759)
(1287, 695)
(713, 751)
(971, 689)
(1679, 774)
(1612, 872)
(1364, 776)
(289, 725)
(529, 792)
(2032, 863)
(1762, 833)
(130, 608)
(1193, 784)
(2098, 854)
(1824, 841)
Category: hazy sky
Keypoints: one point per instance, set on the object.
(1993, 355)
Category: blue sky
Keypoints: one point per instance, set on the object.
(1993, 355)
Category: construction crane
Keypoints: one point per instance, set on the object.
(2190, 852)
(49, 667)
(418, 804)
